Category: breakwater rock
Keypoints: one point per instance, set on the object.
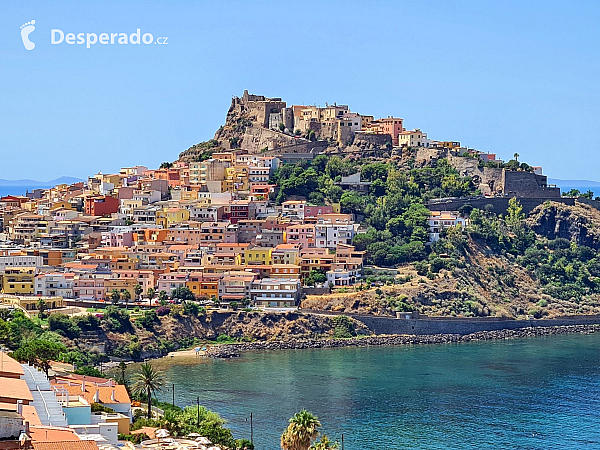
(234, 350)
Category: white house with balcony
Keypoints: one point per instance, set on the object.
(440, 220)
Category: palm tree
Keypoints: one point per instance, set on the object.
(126, 296)
(302, 430)
(151, 293)
(516, 156)
(138, 290)
(148, 381)
(115, 296)
(325, 444)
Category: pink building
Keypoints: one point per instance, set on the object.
(303, 235)
(89, 286)
(117, 238)
(390, 125)
(172, 280)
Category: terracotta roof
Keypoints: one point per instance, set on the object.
(65, 445)
(105, 392)
(9, 367)
(54, 435)
(148, 431)
(87, 378)
(13, 388)
(29, 412)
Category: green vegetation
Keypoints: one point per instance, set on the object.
(39, 353)
(315, 277)
(182, 293)
(148, 381)
(576, 193)
(301, 432)
(393, 209)
(204, 150)
(343, 327)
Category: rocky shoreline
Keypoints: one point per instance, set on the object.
(234, 350)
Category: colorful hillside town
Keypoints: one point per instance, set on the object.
(209, 227)
(209, 223)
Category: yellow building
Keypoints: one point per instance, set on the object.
(18, 281)
(170, 216)
(61, 204)
(259, 255)
(189, 195)
(31, 303)
(120, 284)
(236, 178)
(203, 287)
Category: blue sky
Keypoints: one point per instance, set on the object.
(504, 77)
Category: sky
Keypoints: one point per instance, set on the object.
(502, 77)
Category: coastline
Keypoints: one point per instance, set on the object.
(234, 350)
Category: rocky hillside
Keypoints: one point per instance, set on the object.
(489, 285)
(174, 331)
(579, 223)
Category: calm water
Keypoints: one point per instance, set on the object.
(16, 190)
(536, 393)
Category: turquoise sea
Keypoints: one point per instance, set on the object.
(537, 393)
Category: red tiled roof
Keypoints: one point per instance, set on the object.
(9, 367)
(65, 445)
(54, 435)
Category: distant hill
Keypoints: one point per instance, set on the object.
(41, 184)
(574, 183)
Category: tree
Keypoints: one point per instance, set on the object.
(516, 156)
(147, 382)
(41, 305)
(151, 293)
(301, 432)
(115, 296)
(315, 276)
(182, 293)
(514, 214)
(166, 165)
(138, 290)
(126, 296)
(123, 377)
(39, 353)
(162, 296)
(325, 444)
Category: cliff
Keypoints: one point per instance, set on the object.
(579, 223)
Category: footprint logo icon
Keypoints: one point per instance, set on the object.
(26, 30)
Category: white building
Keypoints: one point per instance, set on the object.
(439, 220)
(20, 261)
(293, 208)
(329, 235)
(275, 292)
(414, 138)
(54, 284)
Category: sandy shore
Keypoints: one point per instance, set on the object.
(185, 353)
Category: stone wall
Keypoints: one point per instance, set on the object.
(256, 139)
(499, 205)
(371, 140)
(528, 184)
(383, 325)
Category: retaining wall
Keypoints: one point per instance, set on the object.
(385, 325)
